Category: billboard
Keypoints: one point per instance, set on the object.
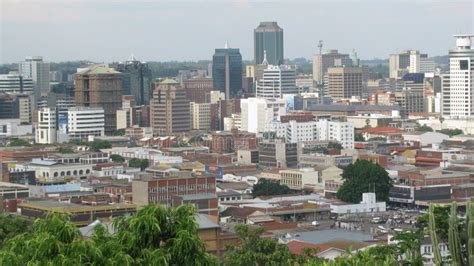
(62, 122)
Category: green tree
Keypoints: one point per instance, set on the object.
(19, 143)
(335, 145)
(65, 150)
(119, 132)
(138, 163)
(11, 226)
(117, 158)
(359, 137)
(441, 216)
(98, 145)
(265, 187)
(364, 176)
(451, 132)
(408, 247)
(424, 128)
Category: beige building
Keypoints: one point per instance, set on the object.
(169, 109)
(100, 86)
(328, 59)
(410, 101)
(200, 115)
(343, 82)
(300, 178)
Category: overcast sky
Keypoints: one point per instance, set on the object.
(110, 30)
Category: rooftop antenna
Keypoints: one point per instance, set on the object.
(226, 45)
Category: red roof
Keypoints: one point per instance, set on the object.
(382, 130)
(297, 247)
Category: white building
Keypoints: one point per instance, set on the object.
(276, 81)
(35, 68)
(367, 205)
(234, 121)
(50, 170)
(323, 130)
(153, 155)
(85, 121)
(256, 113)
(16, 83)
(458, 87)
(46, 131)
(300, 178)
(200, 115)
(14, 128)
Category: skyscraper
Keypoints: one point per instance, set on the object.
(227, 71)
(268, 36)
(343, 82)
(137, 79)
(169, 109)
(100, 86)
(276, 81)
(458, 87)
(331, 58)
(35, 68)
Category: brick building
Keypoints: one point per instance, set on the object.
(198, 89)
(231, 141)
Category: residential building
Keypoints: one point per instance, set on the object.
(100, 86)
(458, 85)
(16, 83)
(256, 113)
(268, 37)
(37, 70)
(330, 58)
(137, 80)
(342, 132)
(227, 72)
(276, 81)
(169, 109)
(343, 82)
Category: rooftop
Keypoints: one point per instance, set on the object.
(98, 70)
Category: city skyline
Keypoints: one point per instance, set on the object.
(80, 26)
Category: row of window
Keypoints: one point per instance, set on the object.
(181, 188)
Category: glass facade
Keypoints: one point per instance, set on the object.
(227, 72)
(268, 36)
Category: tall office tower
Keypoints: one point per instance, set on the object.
(35, 68)
(399, 64)
(445, 96)
(276, 81)
(198, 89)
(330, 58)
(458, 90)
(137, 79)
(100, 86)
(268, 36)
(16, 83)
(343, 82)
(227, 71)
(169, 109)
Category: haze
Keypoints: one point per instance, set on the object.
(105, 31)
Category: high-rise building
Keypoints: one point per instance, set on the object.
(200, 115)
(343, 82)
(15, 83)
(36, 69)
(410, 61)
(256, 113)
(169, 109)
(137, 79)
(198, 89)
(268, 36)
(331, 58)
(458, 86)
(227, 72)
(276, 81)
(100, 86)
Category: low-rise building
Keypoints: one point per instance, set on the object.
(367, 205)
(14, 128)
(298, 179)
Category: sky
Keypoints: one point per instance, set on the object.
(185, 30)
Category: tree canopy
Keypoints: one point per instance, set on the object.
(12, 225)
(117, 158)
(138, 163)
(265, 187)
(424, 128)
(451, 132)
(154, 236)
(364, 176)
(19, 143)
(98, 145)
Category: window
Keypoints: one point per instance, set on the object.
(464, 64)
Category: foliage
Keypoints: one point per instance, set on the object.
(11, 225)
(441, 215)
(98, 145)
(454, 242)
(335, 145)
(65, 150)
(253, 249)
(19, 143)
(138, 163)
(451, 132)
(408, 244)
(265, 187)
(364, 176)
(154, 236)
(117, 158)
(470, 232)
(424, 128)
(359, 137)
(434, 238)
(377, 139)
(119, 132)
